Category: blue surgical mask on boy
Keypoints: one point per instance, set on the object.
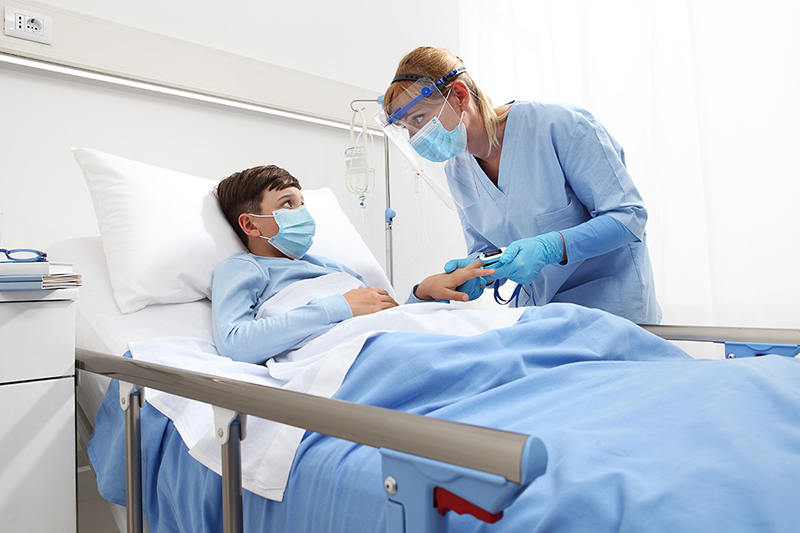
(295, 231)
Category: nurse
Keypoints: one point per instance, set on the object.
(546, 182)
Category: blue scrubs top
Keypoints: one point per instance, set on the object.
(559, 168)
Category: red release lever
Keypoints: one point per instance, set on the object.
(444, 500)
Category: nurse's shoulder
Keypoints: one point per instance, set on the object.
(555, 120)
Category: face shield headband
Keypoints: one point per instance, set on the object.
(428, 87)
(424, 127)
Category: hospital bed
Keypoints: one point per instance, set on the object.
(616, 428)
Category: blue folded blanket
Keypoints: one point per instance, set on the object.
(640, 436)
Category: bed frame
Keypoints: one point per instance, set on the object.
(486, 468)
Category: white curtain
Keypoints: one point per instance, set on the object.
(703, 96)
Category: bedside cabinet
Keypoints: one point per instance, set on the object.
(37, 411)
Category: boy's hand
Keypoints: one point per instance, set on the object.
(368, 300)
(443, 286)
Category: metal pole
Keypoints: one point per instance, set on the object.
(133, 463)
(725, 334)
(388, 218)
(232, 481)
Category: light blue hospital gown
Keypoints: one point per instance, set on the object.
(559, 167)
(245, 281)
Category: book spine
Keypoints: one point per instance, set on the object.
(20, 268)
(21, 277)
(20, 285)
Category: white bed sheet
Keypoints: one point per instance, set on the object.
(101, 326)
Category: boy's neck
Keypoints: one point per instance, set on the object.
(262, 248)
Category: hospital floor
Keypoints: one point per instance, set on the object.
(94, 515)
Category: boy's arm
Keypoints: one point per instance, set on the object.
(240, 336)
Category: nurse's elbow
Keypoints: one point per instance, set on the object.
(639, 213)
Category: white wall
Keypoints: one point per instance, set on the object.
(355, 41)
(42, 192)
(703, 97)
(44, 199)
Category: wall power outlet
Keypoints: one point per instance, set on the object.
(30, 26)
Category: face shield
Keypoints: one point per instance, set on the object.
(428, 131)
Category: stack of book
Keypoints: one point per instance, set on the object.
(37, 275)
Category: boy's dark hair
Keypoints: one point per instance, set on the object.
(241, 192)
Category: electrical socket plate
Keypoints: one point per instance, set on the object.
(27, 25)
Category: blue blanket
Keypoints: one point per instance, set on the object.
(640, 436)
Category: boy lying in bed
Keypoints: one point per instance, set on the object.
(264, 206)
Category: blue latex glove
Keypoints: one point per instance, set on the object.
(472, 288)
(457, 263)
(523, 259)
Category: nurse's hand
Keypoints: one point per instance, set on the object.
(457, 263)
(448, 286)
(523, 259)
(472, 288)
(368, 300)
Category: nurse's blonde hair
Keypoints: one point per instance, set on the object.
(436, 62)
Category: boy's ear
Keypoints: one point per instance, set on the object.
(246, 223)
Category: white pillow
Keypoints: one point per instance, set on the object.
(337, 238)
(163, 232)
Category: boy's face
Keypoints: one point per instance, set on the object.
(271, 201)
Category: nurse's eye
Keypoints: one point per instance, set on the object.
(416, 120)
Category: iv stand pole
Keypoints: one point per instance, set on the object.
(388, 216)
(388, 213)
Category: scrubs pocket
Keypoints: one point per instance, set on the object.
(567, 217)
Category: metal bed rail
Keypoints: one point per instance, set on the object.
(725, 334)
(739, 342)
(497, 452)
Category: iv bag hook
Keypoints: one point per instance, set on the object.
(367, 101)
(389, 213)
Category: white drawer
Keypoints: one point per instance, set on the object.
(37, 478)
(37, 340)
